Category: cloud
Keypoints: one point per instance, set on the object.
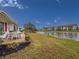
(58, 18)
(55, 21)
(10, 3)
(48, 23)
(58, 1)
(38, 22)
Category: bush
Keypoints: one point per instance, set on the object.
(1, 40)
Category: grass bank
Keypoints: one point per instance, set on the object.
(46, 47)
(71, 44)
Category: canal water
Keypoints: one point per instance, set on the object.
(64, 35)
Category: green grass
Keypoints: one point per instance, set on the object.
(74, 45)
(46, 47)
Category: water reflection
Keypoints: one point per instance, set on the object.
(65, 35)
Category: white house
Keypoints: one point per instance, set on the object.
(6, 23)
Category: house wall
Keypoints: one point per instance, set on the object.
(5, 27)
(75, 27)
(13, 27)
(68, 27)
(9, 27)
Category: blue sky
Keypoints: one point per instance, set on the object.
(42, 12)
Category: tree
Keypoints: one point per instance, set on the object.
(30, 27)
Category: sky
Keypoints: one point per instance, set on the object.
(42, 12)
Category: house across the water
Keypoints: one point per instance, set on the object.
(6, 23)
(64, 27)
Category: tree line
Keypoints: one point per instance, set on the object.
(29, 27)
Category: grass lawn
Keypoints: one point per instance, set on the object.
(46, 47)
(74, 45)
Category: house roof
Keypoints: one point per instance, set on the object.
(67, 25)
(5, 18)
(71, 25)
